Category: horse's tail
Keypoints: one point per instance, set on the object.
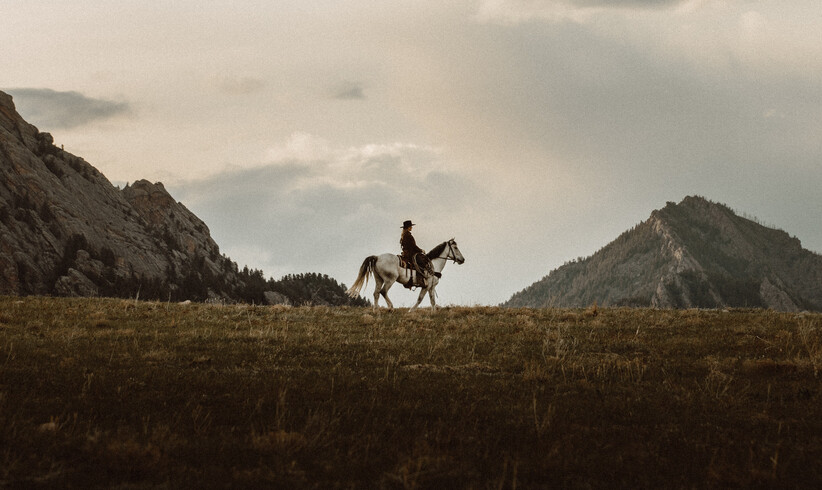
(366, 268)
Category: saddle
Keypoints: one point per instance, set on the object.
(417, 268)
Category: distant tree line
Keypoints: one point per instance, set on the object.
(199, 278)
(301, 289)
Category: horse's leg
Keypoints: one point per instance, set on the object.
(419, 298)
(385, 278)
(378, 282)
(384, 291)
(432, 295)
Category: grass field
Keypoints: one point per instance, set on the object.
(117, 393)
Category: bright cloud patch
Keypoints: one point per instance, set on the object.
(318, 207)
(516, 11)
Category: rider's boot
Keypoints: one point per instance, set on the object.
(412, 281)
(424, 278)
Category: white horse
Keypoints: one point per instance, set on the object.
(387, 270)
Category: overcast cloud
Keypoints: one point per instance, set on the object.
(316, 208)
(349, 91)
(516, 11)
(50, 109)
(241, 85)
(532, 131)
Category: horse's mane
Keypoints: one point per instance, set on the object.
(436, 251)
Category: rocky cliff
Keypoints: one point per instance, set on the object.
(693, 254)
(66, 230)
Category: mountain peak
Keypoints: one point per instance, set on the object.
(67, 231)
(696, 253)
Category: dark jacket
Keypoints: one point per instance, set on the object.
(409, 246)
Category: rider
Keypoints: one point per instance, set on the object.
(410, 250)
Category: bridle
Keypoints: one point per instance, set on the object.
(450, 255)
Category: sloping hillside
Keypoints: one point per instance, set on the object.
(693, 254)
(67, 231)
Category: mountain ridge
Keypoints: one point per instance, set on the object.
(67, 231)
(693, 254)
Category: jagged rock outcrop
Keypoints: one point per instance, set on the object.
(693, 254)
(66, 230)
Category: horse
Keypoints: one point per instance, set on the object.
(387, 270)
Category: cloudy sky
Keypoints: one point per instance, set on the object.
(534, 131)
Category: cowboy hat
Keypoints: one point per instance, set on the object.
(407, 224)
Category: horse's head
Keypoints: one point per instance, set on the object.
(454, 252)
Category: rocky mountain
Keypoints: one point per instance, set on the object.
(693, 254)
(67, 231)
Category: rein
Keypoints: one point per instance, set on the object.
(450, 254)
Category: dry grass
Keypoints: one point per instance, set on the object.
(108, 393)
